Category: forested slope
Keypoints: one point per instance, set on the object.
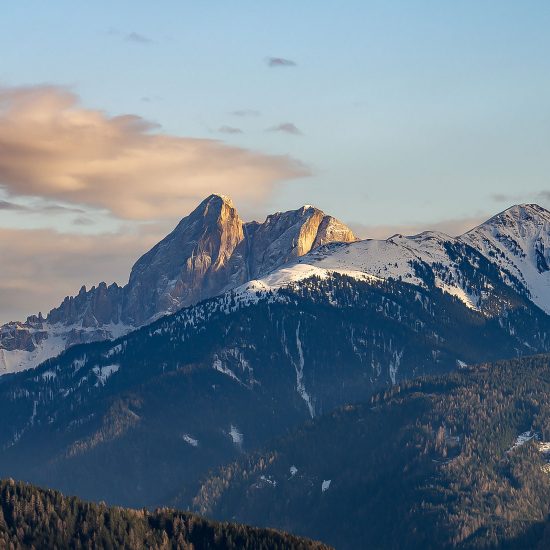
(438, 462)
(39, 519)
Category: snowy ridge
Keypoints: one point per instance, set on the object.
(518, 241)
(401, 258)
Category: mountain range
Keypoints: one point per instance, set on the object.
(160, 406)
(212, 251)
(235, 339)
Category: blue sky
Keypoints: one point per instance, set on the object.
(409, 114)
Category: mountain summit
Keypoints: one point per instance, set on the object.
(210, 251)
(187, 265)
(518, 241)
(213, 250)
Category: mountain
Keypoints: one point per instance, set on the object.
(139, 421)
(187, 265)
(212, 251)
(209, 251)
(34, 518)
(518, 241)
(460, 461)
(427, 260)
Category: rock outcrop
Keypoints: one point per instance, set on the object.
(285, 236)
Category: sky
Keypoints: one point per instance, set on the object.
(117, 118)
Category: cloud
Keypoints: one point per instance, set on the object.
(229, 130)
(245, 112)
(53, 148)
(132, 36)
(48, 208)
(280, 62)
(453, 227)
(501, 197)
(6, 205)
(33, 208)
(83, 220)
(534, 196)
(138, 38)
(286, 127)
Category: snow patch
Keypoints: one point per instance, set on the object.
(236, 435)
(190, 440)
(460, 293)
(268, 480)
(104, 373)
(220, 367)
(394, 366)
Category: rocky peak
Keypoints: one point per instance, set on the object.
(89, 308)
(183, 268)
(285, 236)
(211, 250)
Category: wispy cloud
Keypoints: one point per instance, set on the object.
(57, 150)
(6, 205)
(280, 62)
(287, 128)
(501, 197)
(533, 196)
(138, 38)
(229, 130)
(132, 36)
(39, 208)
(246, 112)
(83, 220)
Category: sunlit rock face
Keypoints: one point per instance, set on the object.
(187, 265)
(212, 250)
(285, 236)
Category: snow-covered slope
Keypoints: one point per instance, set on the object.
(518, 241)
(430, 258)
(46, 340)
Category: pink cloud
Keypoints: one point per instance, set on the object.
(52, 147)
